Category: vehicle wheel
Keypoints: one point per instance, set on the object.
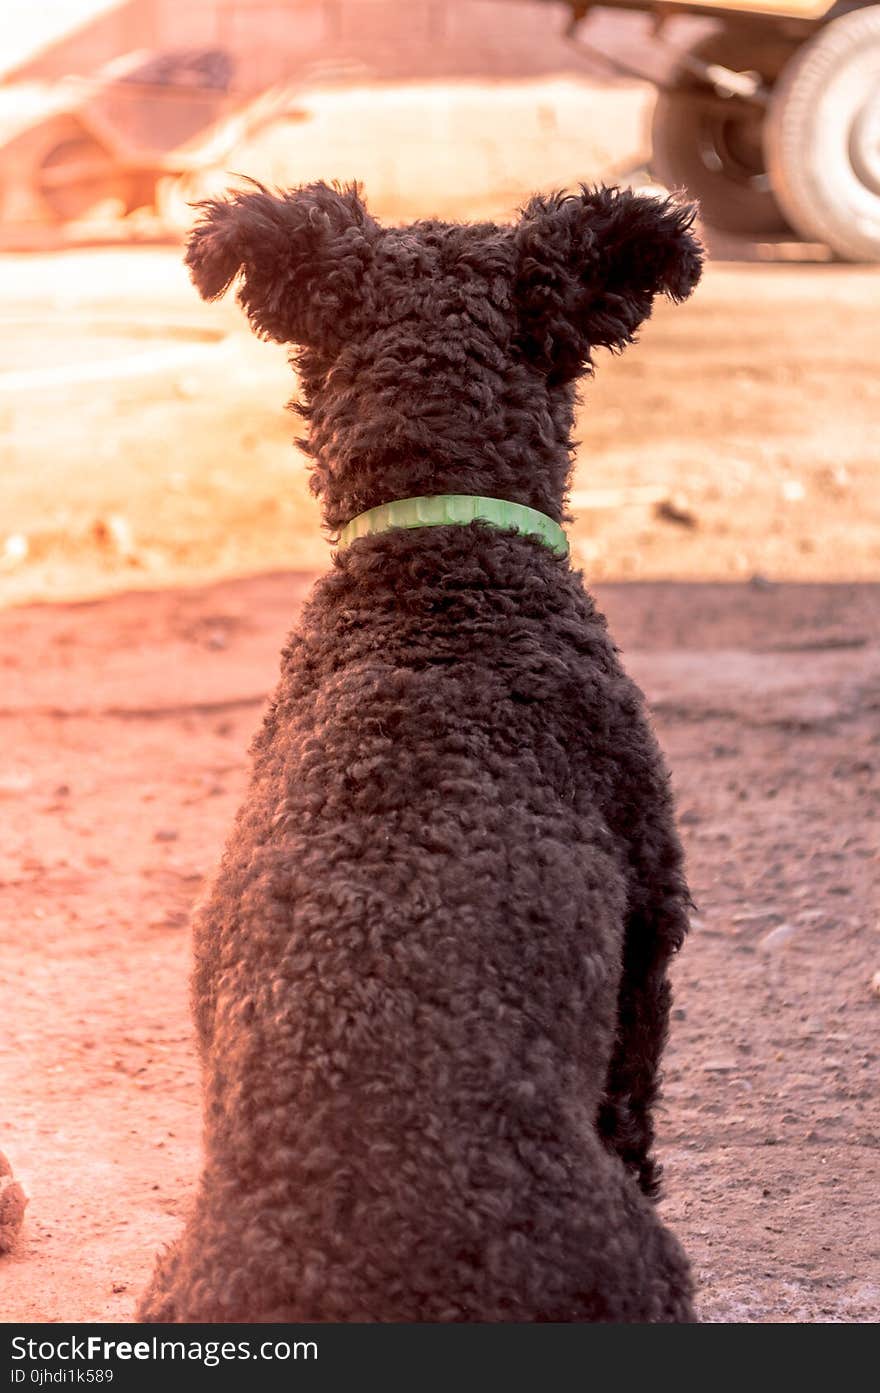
(823, 137)
(713, 146)
(77, 176)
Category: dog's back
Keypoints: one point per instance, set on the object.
(430, 980)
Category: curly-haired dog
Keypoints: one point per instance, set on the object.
(430, 980)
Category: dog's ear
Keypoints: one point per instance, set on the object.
(589, 266)
(301, 256)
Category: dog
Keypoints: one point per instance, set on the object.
(430, 984)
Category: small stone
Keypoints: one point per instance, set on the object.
(677, 510)
(13, 1202)
(173, 919)
(875, 984)
(166, 834)
(15, 781)
(777, 937)
(724, 751)
(15, 550)
(792, 490)
(115, 534)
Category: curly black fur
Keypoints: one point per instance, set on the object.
(430, 981)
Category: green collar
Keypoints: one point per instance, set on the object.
(438, 510)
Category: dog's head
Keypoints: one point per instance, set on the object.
(442, 357)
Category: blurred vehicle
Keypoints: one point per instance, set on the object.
(135, 136)
(770, 116)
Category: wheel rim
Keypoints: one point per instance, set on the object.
(730, 145)
(77, 175)
(864, 145)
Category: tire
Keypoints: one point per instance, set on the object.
(77, 175)
(713, 146)
(823, 137)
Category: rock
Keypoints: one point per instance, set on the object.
(166, 834)
(676, 510)
(171, 919)
(776, 937)
(13, 1202)
(14, 781)
(115, 534)
(875, 984)
(755, 916)
(15, 550)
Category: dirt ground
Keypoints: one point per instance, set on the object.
(737, 549)
(125, 723)
(144, 441)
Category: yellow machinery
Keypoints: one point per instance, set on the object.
(770, 117)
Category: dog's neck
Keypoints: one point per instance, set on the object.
(363, 457)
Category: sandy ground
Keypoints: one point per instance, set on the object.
(167, 490)
(123, 763)
(144, 441)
